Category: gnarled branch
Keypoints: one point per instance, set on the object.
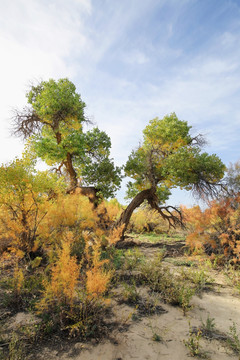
(26, 123)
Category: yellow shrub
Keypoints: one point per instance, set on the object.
(68, 212)
(115, 235)
(18, 280)
(61, 288)
(97, 278)
(146, 219)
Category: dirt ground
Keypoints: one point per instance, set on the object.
(159, 336)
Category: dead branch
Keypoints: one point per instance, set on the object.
(26, 123)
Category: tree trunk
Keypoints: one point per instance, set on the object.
(91, 192)
(71, 172)
(125, 217)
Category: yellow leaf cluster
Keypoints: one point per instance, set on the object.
(61, 288)
(97, 278)
(115, 235)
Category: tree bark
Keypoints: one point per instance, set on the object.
(71, 171)
(125, 217)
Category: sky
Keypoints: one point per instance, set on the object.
(131, 60)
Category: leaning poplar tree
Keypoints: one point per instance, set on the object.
(53, 121)
(169, 157)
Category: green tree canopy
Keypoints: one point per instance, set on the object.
(169, 157)
(54, 122)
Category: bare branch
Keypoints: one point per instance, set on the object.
(206, 190)
(198, 140)
(26, 123)
(170, 213)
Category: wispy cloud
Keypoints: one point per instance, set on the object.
(131, 61)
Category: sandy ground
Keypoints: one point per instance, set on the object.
(135, 338)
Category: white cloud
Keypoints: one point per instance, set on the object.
(136, 57)
(38, 40)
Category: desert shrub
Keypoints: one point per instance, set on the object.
(68, 213)
(24, 202)
(193, 344)
(60, 289)
(145, 219)
(112, 208)
(97, 276)
(199, 278)
(173, 289)
(73, 290)
(215, 231)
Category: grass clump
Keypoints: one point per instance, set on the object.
(171, 288)
(199, 278)
(193, 344)
(233, 339)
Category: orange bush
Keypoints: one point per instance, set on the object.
(98, 278)
(60, 290)
(217, 229)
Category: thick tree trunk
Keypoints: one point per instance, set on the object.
(71, 172)
(125, 217)
(91, 192)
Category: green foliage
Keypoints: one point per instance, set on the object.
(59, 139)
(56, 97)
(16, 348)
(192, 343)
(233, 339)
(95, 166)
(209, 326)
(130, 293)
(199, 278)
(170, 157)
(173, 289)
(233, 275)
(157, 337)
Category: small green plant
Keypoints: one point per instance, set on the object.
(133, 258)
(233, 276)
(200, 278)
(115, 256)
(171, 288)
(233, 339)
(193, 344)
(209, 326)
(187, 263)
(15, 348)
(184, 296)
(130, 293)
(156, 337)
(155, 333)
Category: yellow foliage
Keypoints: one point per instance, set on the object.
(97, 278)
(147, 219)
(97, 281)
(113, 208)
(60, 289)
(18, 280)
(67, 213)
(115, 235)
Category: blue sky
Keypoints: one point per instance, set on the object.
(131, 60)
